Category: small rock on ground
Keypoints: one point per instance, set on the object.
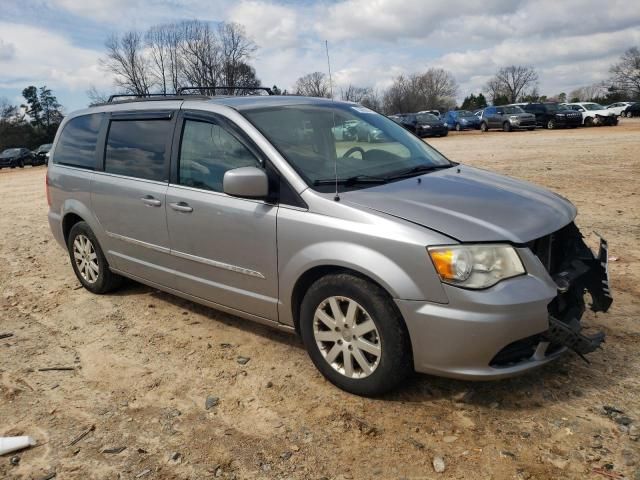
(211, 402)
(438, 464)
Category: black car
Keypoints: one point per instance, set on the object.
(632, 110)
(42, 154)
(16, 157)
(423, 124)
(553, 115)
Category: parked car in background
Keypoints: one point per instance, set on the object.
(632, 110)
(16, 157)
(594, 114)
(42, 154)
(552, 115)
(432, 112)
(461, 120)
(423, 124)
(618, 107)
(506, 118)
(385, 259)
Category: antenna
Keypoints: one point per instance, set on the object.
(326, 46)
(335, 161)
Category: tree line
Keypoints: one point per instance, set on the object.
(32, 123)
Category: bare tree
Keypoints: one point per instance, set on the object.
(512, 82)
(626, 73)
(125, 59)
(436, 87)
(354, 94)
(96, 96)
(313, 85)
(236, 49)
(588, 93)
(433, 89)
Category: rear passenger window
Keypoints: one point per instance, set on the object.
(207, 152)
(137, 148)
(77, 144)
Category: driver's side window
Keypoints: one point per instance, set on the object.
(207, 151)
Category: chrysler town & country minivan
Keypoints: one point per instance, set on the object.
(386, 257)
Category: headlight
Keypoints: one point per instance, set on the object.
(426, 126)
(475, 266)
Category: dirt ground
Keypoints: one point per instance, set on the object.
(144, 362)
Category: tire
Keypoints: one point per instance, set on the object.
(588, 122)
(21, 164)
(386, 331)
(506, 127)
(458, 127)
(551, 124)
(105, 280)
(445, 133)
(484, 127)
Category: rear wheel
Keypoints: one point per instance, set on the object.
(588, 122)
(551, 124)
(483, 127)
(21, 163)
(354, 335)
(458, 128)
(88, 261)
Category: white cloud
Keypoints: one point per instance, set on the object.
(45, 58)
(270, 25)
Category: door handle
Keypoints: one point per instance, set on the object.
(181, 207)
(149, 201)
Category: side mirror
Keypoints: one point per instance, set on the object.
(246, 182)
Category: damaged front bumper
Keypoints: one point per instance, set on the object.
(516, 325)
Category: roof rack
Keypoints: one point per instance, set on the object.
(202, 88)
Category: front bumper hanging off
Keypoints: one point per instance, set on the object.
(582, 272)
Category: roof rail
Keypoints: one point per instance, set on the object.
(201, 88)
(138, 95)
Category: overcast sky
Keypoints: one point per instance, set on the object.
(571, 42)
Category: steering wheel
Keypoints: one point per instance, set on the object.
(354, 150)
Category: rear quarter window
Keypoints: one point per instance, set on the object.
(77, 144)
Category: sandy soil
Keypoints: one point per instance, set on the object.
(145, 362)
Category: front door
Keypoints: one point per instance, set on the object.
(223, 247)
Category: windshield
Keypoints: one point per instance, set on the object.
(593, 106)
(45, 148)
(513, 109)
(10, 152)
(427, 117)
(320, 141)
(464, 113)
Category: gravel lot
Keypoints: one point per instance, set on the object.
(145, 362)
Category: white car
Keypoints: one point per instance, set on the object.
(618, 107)
(594, 114)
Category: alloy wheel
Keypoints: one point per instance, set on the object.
(347, 337)
(84, 254)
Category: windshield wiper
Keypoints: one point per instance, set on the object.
(355, 180)
(418, 170)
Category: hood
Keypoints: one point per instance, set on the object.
(521, 115)
(470, 206)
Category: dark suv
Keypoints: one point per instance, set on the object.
(553, 115)
(16, 157)
(423, 124)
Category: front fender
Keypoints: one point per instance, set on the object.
(359, 258)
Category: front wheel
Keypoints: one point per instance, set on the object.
(483, 127)
(588, 122)
(458, 128)
(354, 335)
(506, 127)
(551, 124)
(88, 261)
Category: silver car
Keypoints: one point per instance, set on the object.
(384, 257)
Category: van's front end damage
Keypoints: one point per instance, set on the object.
(519, 324)
(576, 270)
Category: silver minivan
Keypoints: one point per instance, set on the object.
(385, 257)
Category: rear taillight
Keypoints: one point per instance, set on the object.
(46, 188)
